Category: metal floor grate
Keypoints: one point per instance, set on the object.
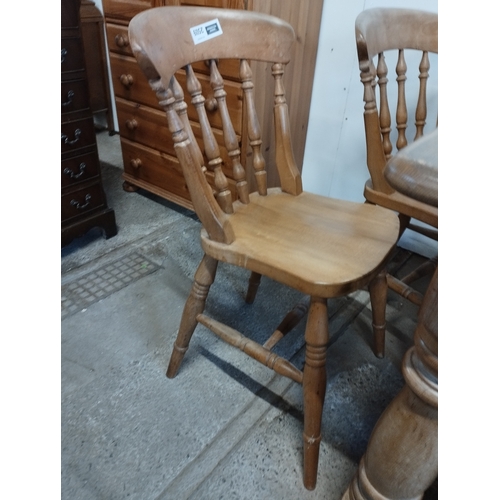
(102, 282)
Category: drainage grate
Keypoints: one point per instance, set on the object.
(102, 282)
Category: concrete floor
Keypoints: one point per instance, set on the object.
(225, 427)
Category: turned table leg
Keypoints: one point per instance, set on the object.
(401, 460)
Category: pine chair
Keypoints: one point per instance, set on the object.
(378, 32)
(320, 246)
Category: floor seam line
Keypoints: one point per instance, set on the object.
(210, 447)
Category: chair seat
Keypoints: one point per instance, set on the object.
(402, 204)
(321, 246)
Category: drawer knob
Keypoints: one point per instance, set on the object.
(71, 94)
(77, 204)
(72, 174)
(136, 163)
(131, 124)
(126, 80)
(211, 104)
(64, 53)
(121, 41)
(67, 140)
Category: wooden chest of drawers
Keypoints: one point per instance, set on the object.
(83, 202)
(148, 156)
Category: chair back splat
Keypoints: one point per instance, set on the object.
(379, 33)
(319, 246)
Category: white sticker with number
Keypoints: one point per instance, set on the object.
(206, 31)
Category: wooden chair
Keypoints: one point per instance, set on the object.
(378, 32)
(320, 246)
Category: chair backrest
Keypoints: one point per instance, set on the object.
(166, 42)
(379, 31)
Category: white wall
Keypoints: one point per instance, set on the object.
(334, 162)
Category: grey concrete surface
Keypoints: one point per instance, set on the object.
(226, 427)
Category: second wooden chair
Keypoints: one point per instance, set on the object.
(404, 35)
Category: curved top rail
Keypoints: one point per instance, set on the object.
(381, 29)
(252, 35)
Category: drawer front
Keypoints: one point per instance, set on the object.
(126, 9)
(77, 134)
(130, 83)
(69, 14)
(79, 169)
(148, 126)
(73, 96)
(143, 124)
(154, 167)
(71, 54)
(81, 202)
(160, 169)
(118, 39)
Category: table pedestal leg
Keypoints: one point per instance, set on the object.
(401, 460)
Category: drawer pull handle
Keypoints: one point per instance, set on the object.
(121, 41)
(131, 124)
(136, 163)
(64, 53)
(127, 80)
(66, 140)
(71, 94)
(72, 174)
(76, 204)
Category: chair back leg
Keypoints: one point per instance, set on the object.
(378, 297)
(253, 286)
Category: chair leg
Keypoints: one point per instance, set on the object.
(195, 305)
(314, 386)
(290, 321)
(378, 298)
(253, 285)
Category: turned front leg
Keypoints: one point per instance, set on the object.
(314, 386)
(195, 305)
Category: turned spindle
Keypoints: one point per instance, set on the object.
(421, 111)
(212, 152)
(230, 138)
(254, 133)
(401, 111)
